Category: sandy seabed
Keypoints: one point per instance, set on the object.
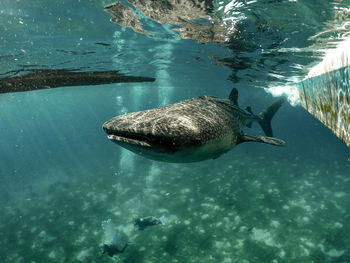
(281, 212)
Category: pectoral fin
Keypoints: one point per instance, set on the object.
(264, 139)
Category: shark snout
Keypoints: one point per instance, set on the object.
(106, 127)
(120, 133)
(112, 127)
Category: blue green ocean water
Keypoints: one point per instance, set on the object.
(65, 189)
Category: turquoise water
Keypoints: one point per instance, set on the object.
(61, 179)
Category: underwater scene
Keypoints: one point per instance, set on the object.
(238, 150)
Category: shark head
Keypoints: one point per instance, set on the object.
(137, 140)
(142, 137)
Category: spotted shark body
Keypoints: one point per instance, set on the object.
(191, 130)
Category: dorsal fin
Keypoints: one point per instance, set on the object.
(234, 96)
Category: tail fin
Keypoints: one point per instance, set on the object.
(266, 117)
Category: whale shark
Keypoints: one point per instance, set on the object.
(191, 130)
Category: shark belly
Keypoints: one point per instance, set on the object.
(209, 150)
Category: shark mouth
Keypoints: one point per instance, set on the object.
(139, 139)
(126, 135)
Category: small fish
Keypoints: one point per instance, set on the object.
(114, 248)
(103, 44)
(147, 221)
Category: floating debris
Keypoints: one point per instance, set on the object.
(53, 78)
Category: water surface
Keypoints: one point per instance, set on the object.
(60, 177)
